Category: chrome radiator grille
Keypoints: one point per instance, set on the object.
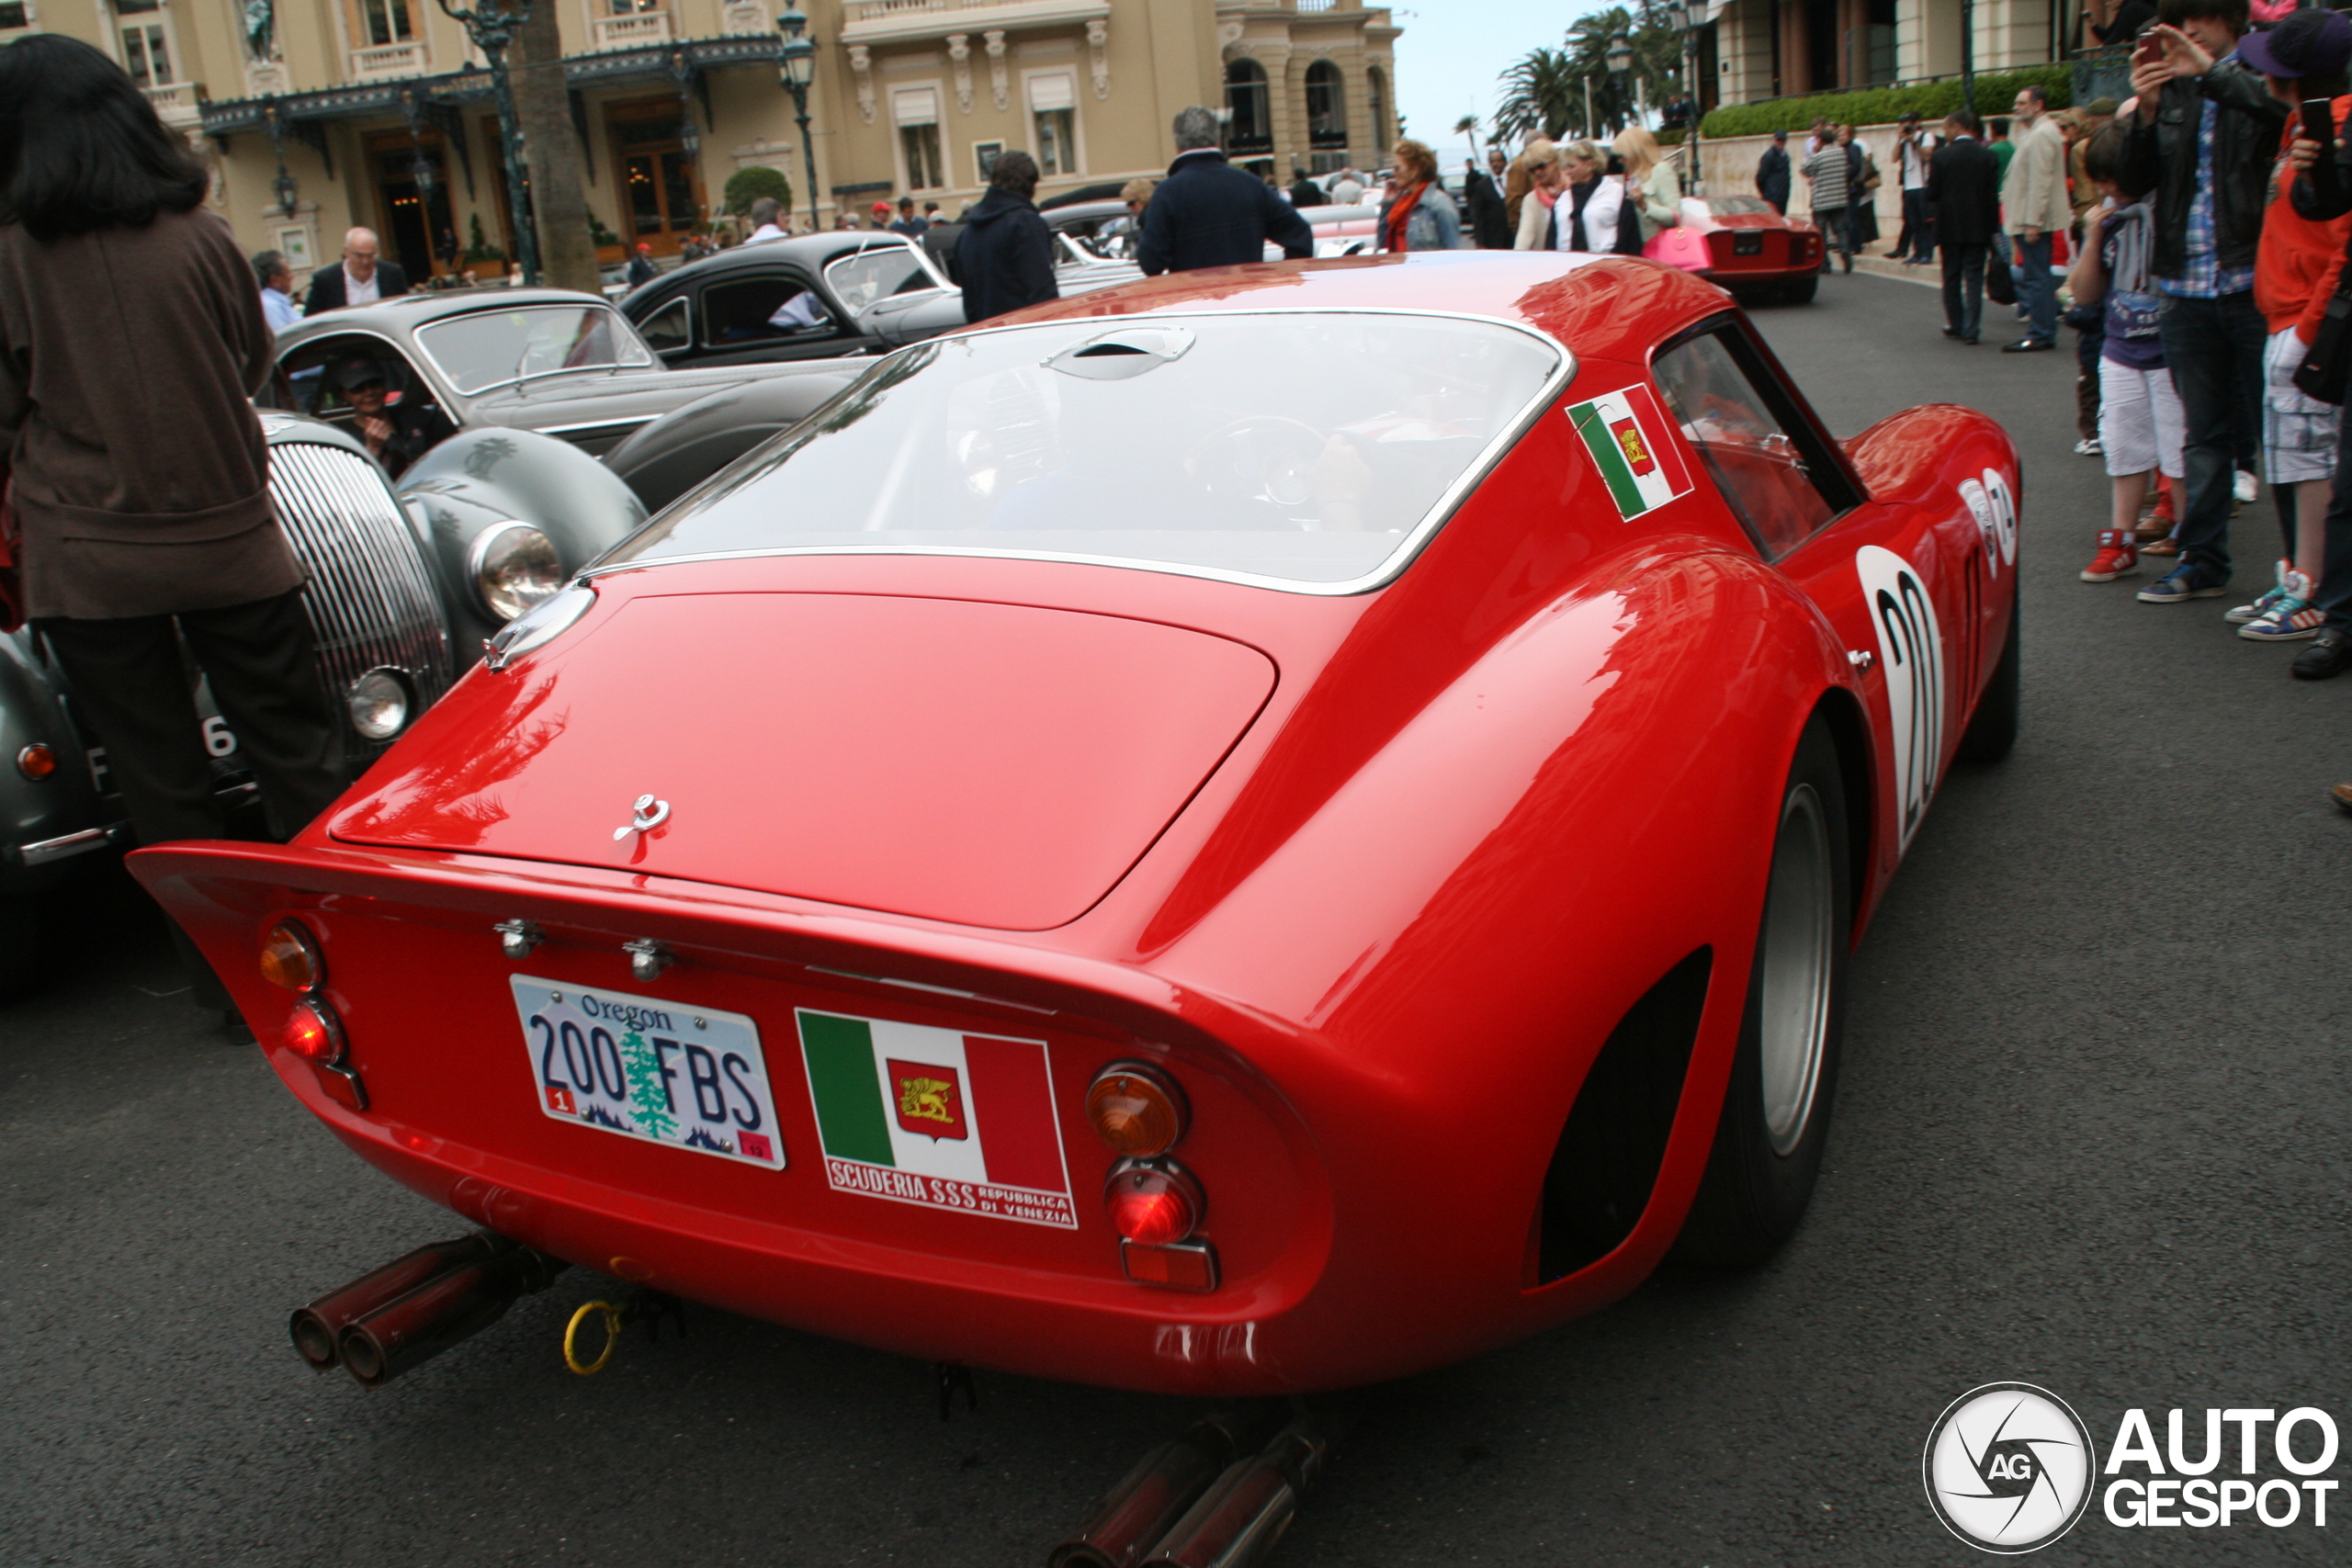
(371, 602)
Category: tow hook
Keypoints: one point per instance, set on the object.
(646, 1306)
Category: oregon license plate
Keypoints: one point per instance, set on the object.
(648, 1068)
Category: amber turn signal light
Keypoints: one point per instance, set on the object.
(1153, 1203)
(314, 1034)
(1138, 1111)
(36, 760)
(289, 957)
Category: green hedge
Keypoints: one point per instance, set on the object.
(1996, 91)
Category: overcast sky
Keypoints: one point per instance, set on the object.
(1452, 50)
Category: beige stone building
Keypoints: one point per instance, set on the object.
(322, 114)
(1769, 49)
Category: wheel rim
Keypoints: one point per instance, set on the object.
(1798, 957)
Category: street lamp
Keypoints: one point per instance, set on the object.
(283, 187)
(1621, 61)
(490, 27)
(1688, 19)
(795, 63)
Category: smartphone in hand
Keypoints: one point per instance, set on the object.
(2319, 122)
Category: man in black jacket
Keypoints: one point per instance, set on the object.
(1964, 195)
(1004, 256)
(1772, 173)
(1483, 205)
(2203, 140)
(362, 277)
(1208, 213)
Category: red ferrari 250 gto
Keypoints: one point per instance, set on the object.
(1248, 833)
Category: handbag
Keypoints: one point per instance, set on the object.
(2327, 364)
(2000, 284)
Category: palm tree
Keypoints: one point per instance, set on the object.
(1543, 95)
(1468, 125)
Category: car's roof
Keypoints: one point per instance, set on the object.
(1079, 212)
(405, 313)
(1603, 307)
(811, 253)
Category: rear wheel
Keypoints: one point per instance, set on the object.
(1993, 729)
(1801, 291)
(1767, 1146)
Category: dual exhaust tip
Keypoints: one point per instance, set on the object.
(403, 1315)
(1219, 1496)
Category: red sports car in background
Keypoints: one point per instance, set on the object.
(1741, 243)
(1248, 833)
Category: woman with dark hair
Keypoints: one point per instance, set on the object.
(130, 340)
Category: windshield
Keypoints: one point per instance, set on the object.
(1737, 206)
(489, 348)
(1300, 446)
(860, 281)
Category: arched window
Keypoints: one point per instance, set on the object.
(1327, 109)
(1252, 126)
(1376, 83)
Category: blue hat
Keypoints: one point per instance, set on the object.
(2309, 42)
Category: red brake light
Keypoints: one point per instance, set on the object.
(1153, 1203)
(313, 1034)
(36, 760)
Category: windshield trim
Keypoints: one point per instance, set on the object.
(1393, 565)
(628, 333)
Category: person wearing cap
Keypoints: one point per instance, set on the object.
(397, 434)
(1772, 174)
(1914, 149)
(2202, 142)
(879, 217)
(641, 265)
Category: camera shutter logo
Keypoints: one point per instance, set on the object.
(2009, 1467)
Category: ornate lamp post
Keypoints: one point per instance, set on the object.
(1686, 19)
(490, 25)
(1621, 61)
(795, 63)
(283, 187)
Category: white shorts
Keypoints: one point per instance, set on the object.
(2140, 421)
(2297, 432)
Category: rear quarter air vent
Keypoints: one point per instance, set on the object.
(1609, 1154)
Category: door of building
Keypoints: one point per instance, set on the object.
(661, 189)
(415, 220)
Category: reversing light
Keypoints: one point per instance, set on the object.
(1153, 1203)
(289, 957)
(36, 760)
(1137, 1109)
(313, 1034)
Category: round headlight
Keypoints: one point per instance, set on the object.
(377, 703)
(514, 567)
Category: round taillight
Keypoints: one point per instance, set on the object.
(36, 760)
(1138, 1111)
(1153, 1203)
(289, 957)
(313, 1033)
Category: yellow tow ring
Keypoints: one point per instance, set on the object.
(613, 1317)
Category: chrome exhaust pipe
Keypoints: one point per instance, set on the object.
(1168, 1480)
(451, 1306)
(314, 1327)
(1238, 1521)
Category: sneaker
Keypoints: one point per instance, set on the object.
(2245, 487)
(2118, 557)
(2290, 620)
(2186, 580)
(2244, 615)
(2089, 447)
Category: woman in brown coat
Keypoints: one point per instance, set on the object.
(130, 340)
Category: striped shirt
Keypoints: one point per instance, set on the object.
(1827, 170)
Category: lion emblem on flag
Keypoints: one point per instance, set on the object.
(929, 1100)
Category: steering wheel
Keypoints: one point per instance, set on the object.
(1261, 457)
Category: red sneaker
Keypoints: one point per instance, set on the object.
(2118, 557)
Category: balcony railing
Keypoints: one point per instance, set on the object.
(1318, 4)
(633, 31)
(178, 103)
(881, 21)
(388, 59)
(875, 10)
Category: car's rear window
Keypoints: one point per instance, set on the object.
(1307, 447)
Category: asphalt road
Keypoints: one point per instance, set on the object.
(2092, 1135)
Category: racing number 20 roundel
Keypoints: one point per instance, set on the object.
(2009, 1467)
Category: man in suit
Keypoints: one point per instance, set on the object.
(1208, 213)
(1964, 203)
(362, 277)
(1772, 174)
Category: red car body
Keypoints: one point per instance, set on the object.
(1375, 876)
(1742, 244)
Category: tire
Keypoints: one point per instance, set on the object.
(1993, 729)
(1801, 291)
(1775, 1122)
(20, 957)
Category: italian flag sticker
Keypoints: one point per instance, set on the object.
(1632, 442)
(937, 1117)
